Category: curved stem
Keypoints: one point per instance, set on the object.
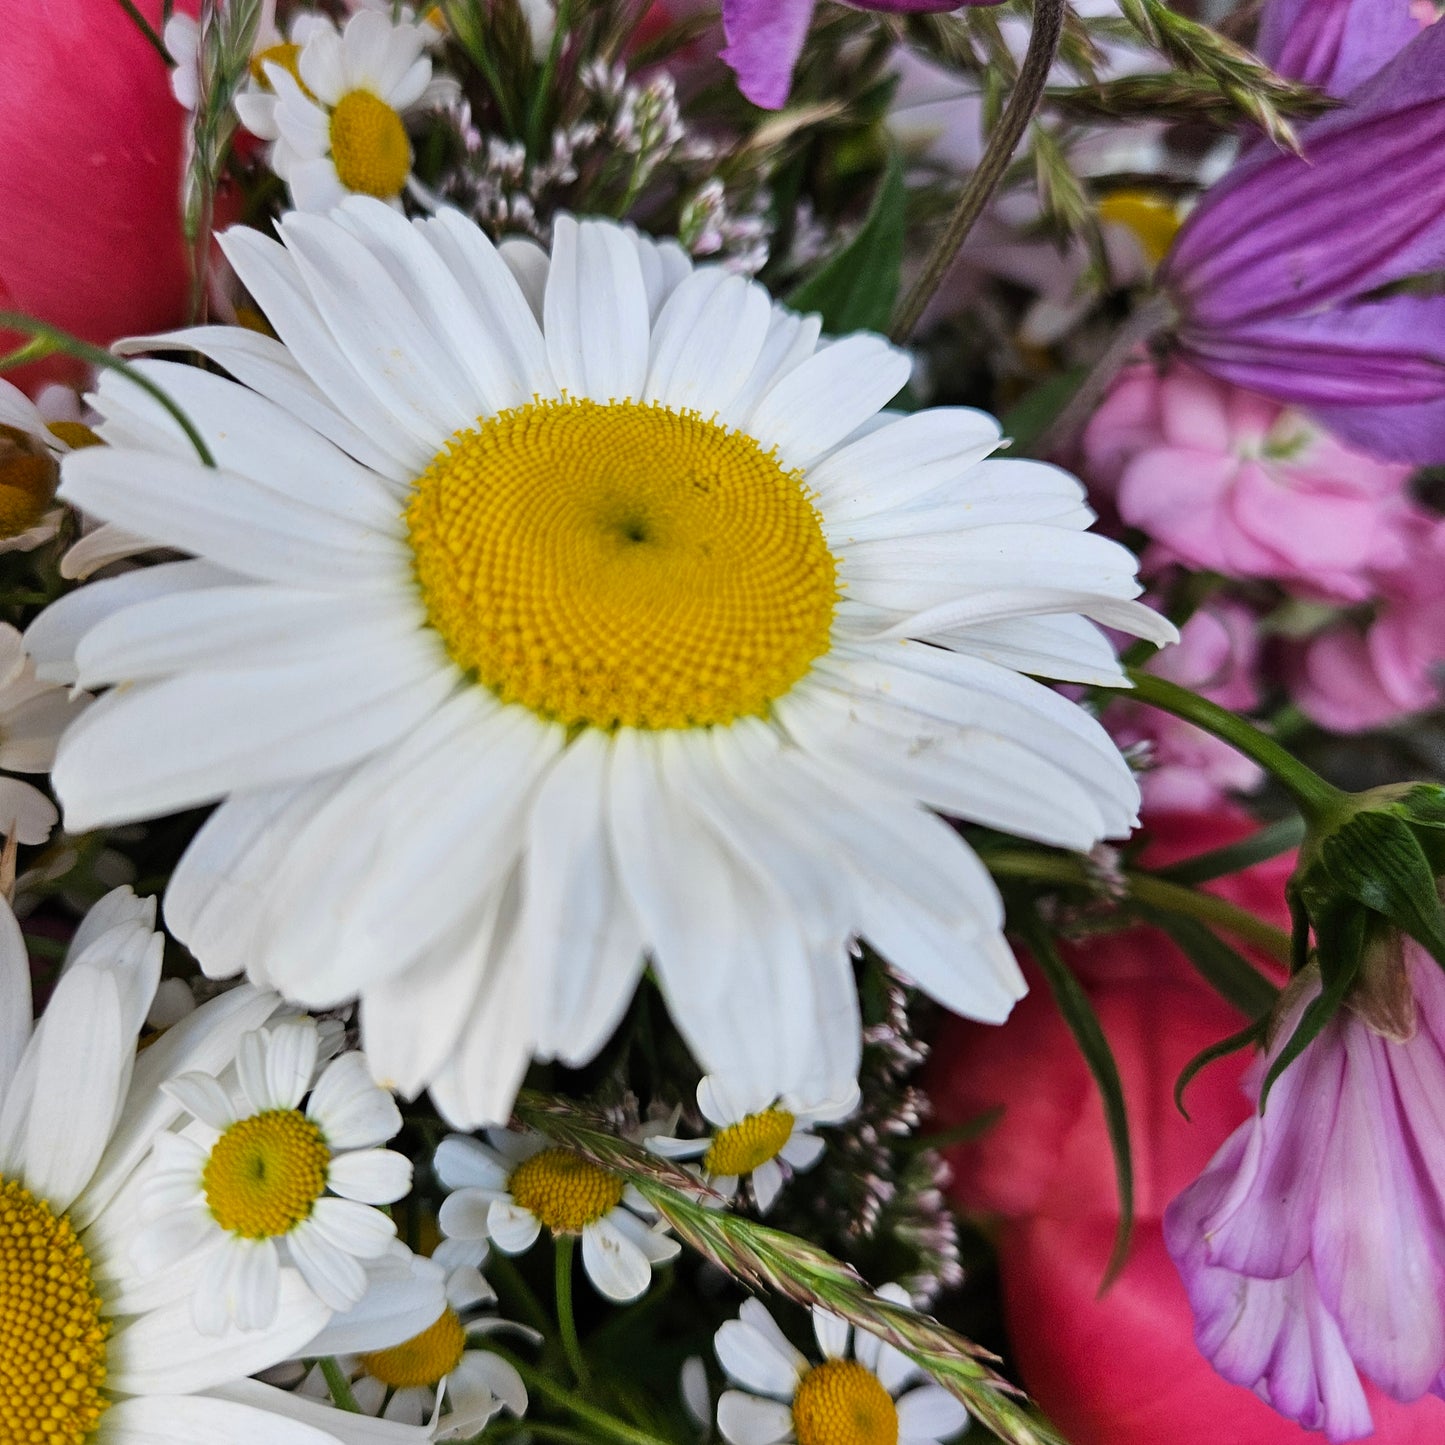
(338, 1385)
(564, 1248)
(604, 1425)
(1028, 91)
(1145, 324)
(1316, 798)
(46, 340)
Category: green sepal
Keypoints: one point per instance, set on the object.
(856, 289)
(1251, 1033)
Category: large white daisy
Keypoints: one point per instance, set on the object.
(93, 1352)
(553, 614)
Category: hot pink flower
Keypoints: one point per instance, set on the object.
(1230, 481)
(1192, 771)
(91, 139)
(1348, 679)
(1313, 1246)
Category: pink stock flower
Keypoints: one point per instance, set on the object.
(1313, 1246)
(1348, 679)
(91, 138)
(1121, 1368)
(1190, 770)
(1229, 481)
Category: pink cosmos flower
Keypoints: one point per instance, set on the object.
(1191, 771)
(1349, 679)
(1313, 1246)
(91, 176)
(1232, 482)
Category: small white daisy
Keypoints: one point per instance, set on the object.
(256, 1182)
(511, 1188)
(435, 1377)
(857, 1400)
(556, 617)
(31, 446)
(92, 1351)
(335, 109)
(182, 37)
(757, 1134)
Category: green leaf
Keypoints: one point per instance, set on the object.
(1424, 804)
(1227, 971)
(1250, 1034)
(1030, 417)
(1268, 842)
(856, 289)
(1378, 861)
(1078, 1013)
(1341, 946)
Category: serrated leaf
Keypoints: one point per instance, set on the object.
(1376, 860)
(1227, 971)
(1078, 1013)
(1341, 946)
(855, 290)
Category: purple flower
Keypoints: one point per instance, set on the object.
(1273, 274)
(1335, 44)
(1313, 1246)
(765, 38)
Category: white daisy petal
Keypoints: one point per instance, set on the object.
(463, 1163)
(930, 1413)
(754, 1359)
(746, 1420)
(333, 1274)
(349, 1108)
(615, 1264)
(203, 1096)
(511, 1229)
(15, 1004)
(373, 1176)
(832, 1333)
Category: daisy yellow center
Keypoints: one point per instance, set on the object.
(843, 1403)
(285, 54)
(28, 477)
(622, 565)
(52, 1338)
(369, 146)
(1151, 218)
(741, 1147)
(265, 1174)
(424, 1360)
(564, 1190)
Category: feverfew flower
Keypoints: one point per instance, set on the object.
(756, 1135)
(1313, 1246)
(31, 446)
(511, 1188)
(92, 1350)
(255, 1182)
(337, 124)
(851, 1397)
(579, 629)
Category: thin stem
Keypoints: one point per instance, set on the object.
(50, 339)
(1145, 324)
(338, 1385)
(604, 1424)
(146, 29)
(564, 1248)
(1316, 798)
(537, 1429)
(1028, 91)
(520, 1297)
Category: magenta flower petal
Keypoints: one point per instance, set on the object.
(1334, 44)
(764, 40)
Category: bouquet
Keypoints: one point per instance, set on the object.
(721, 722)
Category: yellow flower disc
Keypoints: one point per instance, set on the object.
(1151, 217)
(52, 1338)
(265, 1174)
(28, 478)
(843, 1403)
(424, 1360)
(564, 1190)
(287, 56)
(75, 434)
(622, 565)
(369, 146)
(741, 1147)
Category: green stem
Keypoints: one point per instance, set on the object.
(50, 339)
(1157, 892)
(537, 1430)
(564, 1250)
(1028, 91)
(537, 112)
(146, 29)
(1316, 798)
(337, 1383)
(519, 1296)
(608, 1426)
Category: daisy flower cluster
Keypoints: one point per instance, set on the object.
(635, 636)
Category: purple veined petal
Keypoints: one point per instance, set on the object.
(1334, 44)
(1280, 236)
(1375, 1230)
